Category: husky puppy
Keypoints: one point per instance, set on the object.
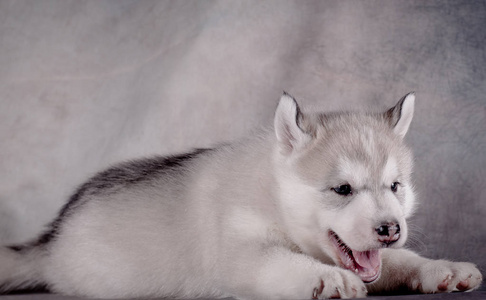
(315, 208)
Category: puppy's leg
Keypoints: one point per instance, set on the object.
(278, 273)
(405, 269)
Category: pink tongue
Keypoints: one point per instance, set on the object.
(369, 260)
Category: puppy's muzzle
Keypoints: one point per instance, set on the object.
(388, 233)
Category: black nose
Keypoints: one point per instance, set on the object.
(388, 228)
(388, 232)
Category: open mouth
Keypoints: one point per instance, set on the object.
(365, 264)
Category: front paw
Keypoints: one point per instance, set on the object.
(439, 276)
(339, 283)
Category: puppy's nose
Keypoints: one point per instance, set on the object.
(388, 233)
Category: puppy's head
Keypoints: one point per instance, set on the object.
(344, 182)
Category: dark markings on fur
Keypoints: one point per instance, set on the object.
(40, 289)
(16, 248)
(35, 289)
(116, 177)
(14, 287)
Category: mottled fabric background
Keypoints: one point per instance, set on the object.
(84, 84)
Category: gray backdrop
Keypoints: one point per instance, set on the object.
(84, 84)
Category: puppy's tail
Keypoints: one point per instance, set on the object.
(21, 268)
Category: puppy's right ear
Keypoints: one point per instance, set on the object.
(289, 134)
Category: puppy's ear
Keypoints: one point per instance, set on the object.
(289, 134)
(401, 114)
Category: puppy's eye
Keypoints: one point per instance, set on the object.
(343, 190)
(394, 186)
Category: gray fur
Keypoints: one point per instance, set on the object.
(256, 219)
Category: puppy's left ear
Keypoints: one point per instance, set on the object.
(401, 114)
(288, 117)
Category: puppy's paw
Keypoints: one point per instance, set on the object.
(339, 284)
(439, 276)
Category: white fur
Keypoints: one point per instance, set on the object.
(355, 172)
(390, 171)
(252, 220)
